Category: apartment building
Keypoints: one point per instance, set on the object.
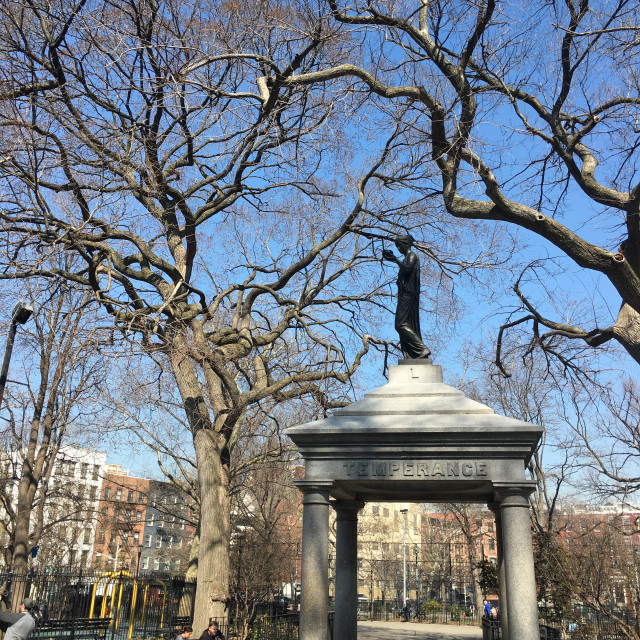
(121, 520)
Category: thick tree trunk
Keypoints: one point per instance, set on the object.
(212, 590)
(213, 558)
(627, 330)
(20, 564)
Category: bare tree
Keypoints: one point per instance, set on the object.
(62, 374)
(606, 427)
(267, 534)
(604, 573)
(212, 211)
(466, 518)
(523, 110)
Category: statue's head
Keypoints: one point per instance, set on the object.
(405, 241)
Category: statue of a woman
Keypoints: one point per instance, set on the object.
(407, 322)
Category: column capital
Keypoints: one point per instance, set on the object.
(513, 495)
(347, 509)
(347, 505)
(314, 491)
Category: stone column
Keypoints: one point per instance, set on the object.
(346, 612)
(518, 565)
(502, 587)
(315, 559)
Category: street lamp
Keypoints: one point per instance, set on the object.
(140, 547)
(21, 313)
(404, 556)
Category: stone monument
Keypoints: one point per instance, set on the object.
(415, 439)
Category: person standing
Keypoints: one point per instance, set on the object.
(407, 320)
(212, 632)
(18, 625)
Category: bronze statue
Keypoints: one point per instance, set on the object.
(407, 322)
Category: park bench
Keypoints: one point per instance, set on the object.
(71, 629)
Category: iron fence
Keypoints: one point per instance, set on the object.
(442, 614)
(141, 606)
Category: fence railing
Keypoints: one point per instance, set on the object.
(141, 606)
(444, 614)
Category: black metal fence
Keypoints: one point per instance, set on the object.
(443, 614)
(123, 606)
(130, 606)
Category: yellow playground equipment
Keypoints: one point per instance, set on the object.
(112, 586)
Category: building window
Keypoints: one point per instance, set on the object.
(116, 514)
(170, 542)
(87, 537)
(147, 540)
(490, 526)
(118, 494)
(145, 562)
(158, 542)
(492, 544)
(84, 469)
(107, 493)
(130, 496)
(374, 511)
(138, 516)
(96, 471)
(151, 519)
(113, 537)
(101, 535)
(136, 536)
(141, 497)
(385, 512)
(128, 513)
(156, 564)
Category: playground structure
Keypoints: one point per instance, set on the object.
(129, 605)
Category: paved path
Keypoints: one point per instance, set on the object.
(416, 631)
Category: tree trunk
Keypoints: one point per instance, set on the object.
(213, 558)
(627, 330)
(20, 563)
(212, 590)
(186, 602)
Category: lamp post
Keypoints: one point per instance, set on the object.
(21, 313)
(415, 550)
(404, 556)
(140, 547)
